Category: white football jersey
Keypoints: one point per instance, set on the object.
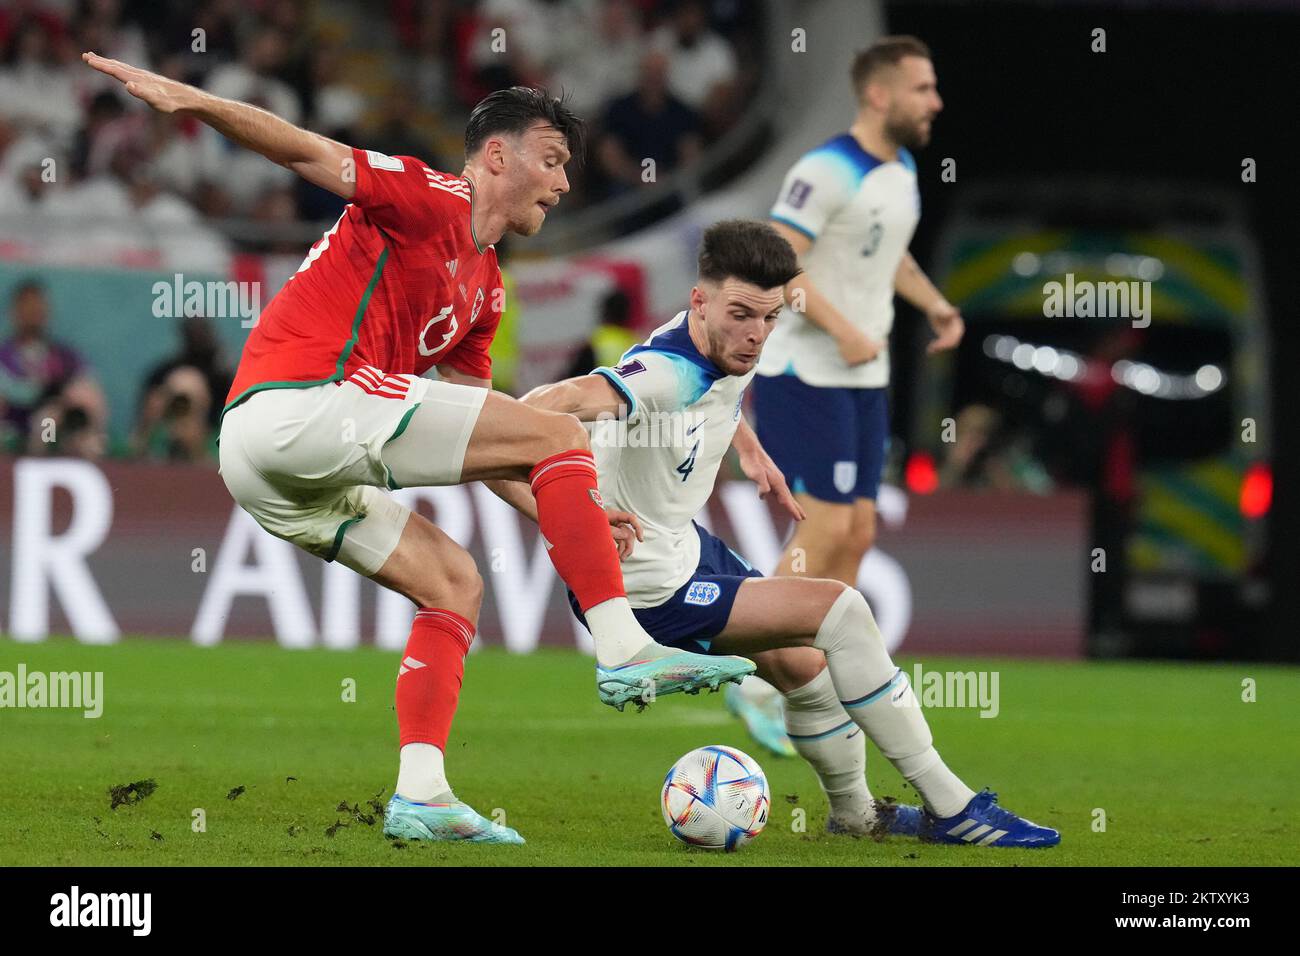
(860, 213)
(661, 461)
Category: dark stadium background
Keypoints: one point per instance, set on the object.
(1184, 92)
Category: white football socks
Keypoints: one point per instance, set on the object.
(823, 735)
(618, 635)
(879, 699)
(420, 774)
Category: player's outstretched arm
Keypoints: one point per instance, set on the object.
(586, 397)
(315, 158)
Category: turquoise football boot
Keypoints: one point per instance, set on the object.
(766, 724)
(657, 671)
(444, 822)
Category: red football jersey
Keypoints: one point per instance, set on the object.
(398, 283)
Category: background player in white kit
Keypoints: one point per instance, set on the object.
(814, 638)
(849, 209)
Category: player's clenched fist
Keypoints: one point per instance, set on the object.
(163, 94)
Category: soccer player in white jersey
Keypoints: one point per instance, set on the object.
(679, 395)
(849, 208)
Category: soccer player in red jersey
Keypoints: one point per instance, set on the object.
(329, 407)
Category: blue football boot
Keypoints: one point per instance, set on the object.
(984, 823)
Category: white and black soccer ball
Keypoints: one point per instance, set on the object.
(716, 797)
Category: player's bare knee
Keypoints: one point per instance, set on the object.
(470, 583)
(860, 538)
(548, 434)
(436, 571)
(829, 591)
(838, 537)
(789, 668)
(458, 578)
(563, 433)
(804, 669)
(862, 530)
(452, 582)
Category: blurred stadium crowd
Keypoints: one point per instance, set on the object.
(657, 80)
(51, 402)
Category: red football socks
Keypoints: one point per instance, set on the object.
(428, 682)
(572, 518)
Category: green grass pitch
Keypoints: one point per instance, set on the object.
(1184, 770)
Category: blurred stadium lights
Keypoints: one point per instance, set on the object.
(1139, 376)
(1257, 490)
(1121, 265)
(921, 475)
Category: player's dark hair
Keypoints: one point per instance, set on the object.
(885, 52)
(748, 250)
(515, 110)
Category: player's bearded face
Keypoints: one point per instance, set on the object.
(914, 103)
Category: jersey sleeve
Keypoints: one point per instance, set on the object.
(649, 382)
(404, 197)
(472, 354)
(813, 191)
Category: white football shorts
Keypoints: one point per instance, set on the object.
(308, 463)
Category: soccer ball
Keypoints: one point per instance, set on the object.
(716, 797)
